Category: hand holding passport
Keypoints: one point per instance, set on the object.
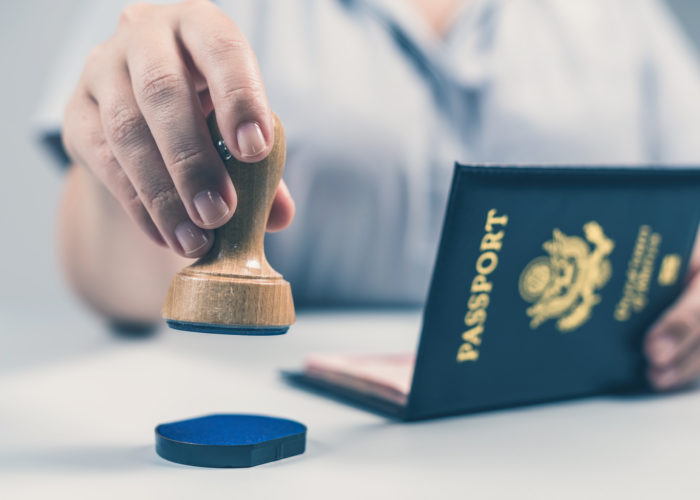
(545, 284)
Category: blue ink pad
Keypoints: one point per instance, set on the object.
(230, 440)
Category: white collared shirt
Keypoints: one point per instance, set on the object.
(377, 110)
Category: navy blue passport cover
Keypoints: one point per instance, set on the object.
(545, 282)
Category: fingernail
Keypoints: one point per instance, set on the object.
(666, 379)
(662, 350)
(250, 139)
(211, 207)
(190, 237)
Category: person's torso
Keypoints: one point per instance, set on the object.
(377, 110)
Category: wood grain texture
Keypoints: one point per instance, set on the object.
(233, 284)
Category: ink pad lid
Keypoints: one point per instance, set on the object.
(230, 440)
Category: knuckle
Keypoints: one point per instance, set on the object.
(249, 94)
(93, 62)
(132, 203)
(680, 321)
(135, 12)
(95, 55)
(187, 161)
(187, 8)
(162, 200)
(191, 3)
(103, 155)
(221, 43)
(159, 86)
(124, 124)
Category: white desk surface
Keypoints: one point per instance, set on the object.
(78, 408)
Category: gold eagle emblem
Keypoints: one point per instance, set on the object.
(562, 285)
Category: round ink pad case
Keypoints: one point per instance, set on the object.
(230, 440)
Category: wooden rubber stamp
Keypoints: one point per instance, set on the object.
(233, 289)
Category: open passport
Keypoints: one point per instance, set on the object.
(545, 282)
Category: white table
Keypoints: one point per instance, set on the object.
(78, 408)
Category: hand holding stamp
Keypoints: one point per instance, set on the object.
(233, 289)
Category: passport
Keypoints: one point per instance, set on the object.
(545, 283)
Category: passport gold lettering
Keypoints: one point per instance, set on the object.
(475, 317)
(640, 268)
(669, 269)
(473, 335)
(481, 286)
(492, 241)
(480, 300)
(493, 220)
(486, 263)
(467, 353)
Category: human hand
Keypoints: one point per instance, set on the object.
(672, 344)
(137, 120)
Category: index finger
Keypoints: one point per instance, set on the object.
(223, 56)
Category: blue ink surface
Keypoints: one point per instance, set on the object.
(230, 440)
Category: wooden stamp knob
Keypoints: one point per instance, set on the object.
(233, 289)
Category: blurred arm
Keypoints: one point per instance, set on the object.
(108, 260)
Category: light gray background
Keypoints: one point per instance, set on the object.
(30, 34)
